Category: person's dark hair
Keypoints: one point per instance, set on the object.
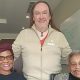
(74, 53)
(51, 22)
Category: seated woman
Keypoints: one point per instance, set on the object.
(7, 62)
(74, 68)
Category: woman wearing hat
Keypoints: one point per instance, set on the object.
(6, 63)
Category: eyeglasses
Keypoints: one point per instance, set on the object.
(10, 57)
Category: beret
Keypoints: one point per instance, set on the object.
(5, 46)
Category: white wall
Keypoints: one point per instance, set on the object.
(71, 28)
(7, 36)
(67, 16)
(65, 9)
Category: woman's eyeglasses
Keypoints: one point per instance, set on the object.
(10, 57)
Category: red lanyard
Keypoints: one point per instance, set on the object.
(42, 41)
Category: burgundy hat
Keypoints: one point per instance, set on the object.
(5, 46)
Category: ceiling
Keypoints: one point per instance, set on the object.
(13, 14)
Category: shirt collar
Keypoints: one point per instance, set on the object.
(39, 33)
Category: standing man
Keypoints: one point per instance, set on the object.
(42, 46)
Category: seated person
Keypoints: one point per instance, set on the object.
(7, 62)
(73, 66)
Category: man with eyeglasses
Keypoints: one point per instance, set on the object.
(6, 63)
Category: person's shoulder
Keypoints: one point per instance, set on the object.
(62, 76)
(58, 33)
(27, 30)
(19, 76)
(24, 32)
